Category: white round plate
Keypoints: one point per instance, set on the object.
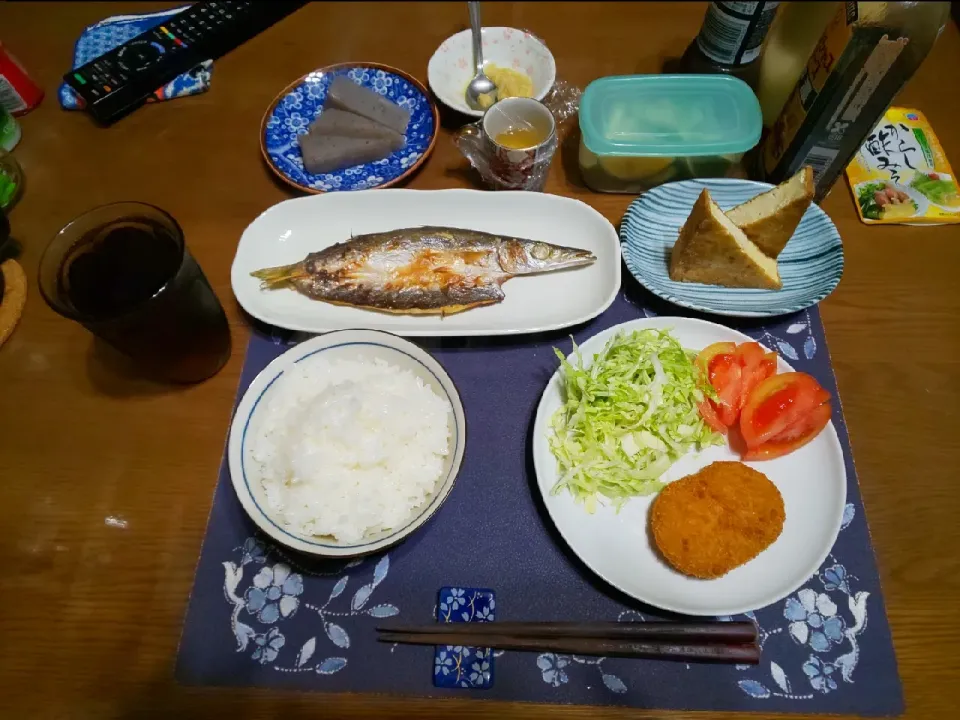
(616, 547)
(343, 344)
(451, 68)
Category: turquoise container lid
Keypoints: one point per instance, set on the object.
(669, 116)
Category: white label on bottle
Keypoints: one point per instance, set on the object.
(881, 59)
(819, 159)
(10, 99)
(733, 32)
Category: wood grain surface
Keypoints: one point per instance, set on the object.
(106, 480)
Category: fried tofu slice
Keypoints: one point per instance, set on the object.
(717, 519)
(770, 219)
(711, 249)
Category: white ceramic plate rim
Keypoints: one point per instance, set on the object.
(461, 105)
(430, 328)
(258, 389)
(539, 439)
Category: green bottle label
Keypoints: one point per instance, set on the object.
(9, 130)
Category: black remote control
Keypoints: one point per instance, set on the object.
(121, 80)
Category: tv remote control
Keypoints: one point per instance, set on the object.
(121, 80)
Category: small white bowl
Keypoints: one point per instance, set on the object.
(451, 68)
(341, 344)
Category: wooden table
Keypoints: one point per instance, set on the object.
(106, 480)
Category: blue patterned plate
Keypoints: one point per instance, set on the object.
(300, 103)
(810, 265)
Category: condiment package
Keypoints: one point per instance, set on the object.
(901, 174)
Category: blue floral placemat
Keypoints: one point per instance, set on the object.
(261, 615)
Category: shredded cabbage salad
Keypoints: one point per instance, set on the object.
(627, 417)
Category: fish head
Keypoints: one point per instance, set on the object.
(528, 257)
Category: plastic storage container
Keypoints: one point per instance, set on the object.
(639, 131)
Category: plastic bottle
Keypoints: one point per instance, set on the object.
(865, 55)
(730, 40)
(9, 131)
(794, 34)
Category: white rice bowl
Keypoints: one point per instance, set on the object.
(350, 447)
(346, 443)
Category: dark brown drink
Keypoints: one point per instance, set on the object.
(124, 273)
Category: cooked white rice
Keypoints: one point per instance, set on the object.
(350, 447)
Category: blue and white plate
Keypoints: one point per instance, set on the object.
(810, 265)
(301, 102)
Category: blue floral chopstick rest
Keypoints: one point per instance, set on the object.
(464, 667)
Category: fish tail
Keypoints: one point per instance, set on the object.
(282, 276)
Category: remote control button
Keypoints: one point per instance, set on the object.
(138, 55)
(80, 79)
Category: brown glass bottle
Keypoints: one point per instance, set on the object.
(730, 40)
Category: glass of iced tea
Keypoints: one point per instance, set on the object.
(124, 272)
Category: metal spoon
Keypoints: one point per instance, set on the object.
(481, 84)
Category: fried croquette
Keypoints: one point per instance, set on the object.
(708, 523)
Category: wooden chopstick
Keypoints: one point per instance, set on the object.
(687, 642)
(730, 633)
(741, 653)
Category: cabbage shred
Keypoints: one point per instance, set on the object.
(627, 417)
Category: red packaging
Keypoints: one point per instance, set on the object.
(18, 93)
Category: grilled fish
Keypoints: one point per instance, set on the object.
(424, 270)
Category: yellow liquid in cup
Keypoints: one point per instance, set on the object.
(519, 138)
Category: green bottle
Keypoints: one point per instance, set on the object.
(9, 130)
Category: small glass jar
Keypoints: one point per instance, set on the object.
(11, 181)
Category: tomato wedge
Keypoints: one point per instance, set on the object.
(733, 371)
(710, 416)
(757, 366)
(794, 437)
(781, 411)
(719, 365)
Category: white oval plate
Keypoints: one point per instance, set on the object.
(347, 344)
(616, 547)
(290, 230)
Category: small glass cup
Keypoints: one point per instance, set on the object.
(505, 168)
(124, 273)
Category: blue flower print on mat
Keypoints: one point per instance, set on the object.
(819, 673)
(552, 668)
(788, 346)
(274, 594)
(835, 578)
(814, 618)
(267, 646)
(253, 551)
(814, 621)
(301, 105)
